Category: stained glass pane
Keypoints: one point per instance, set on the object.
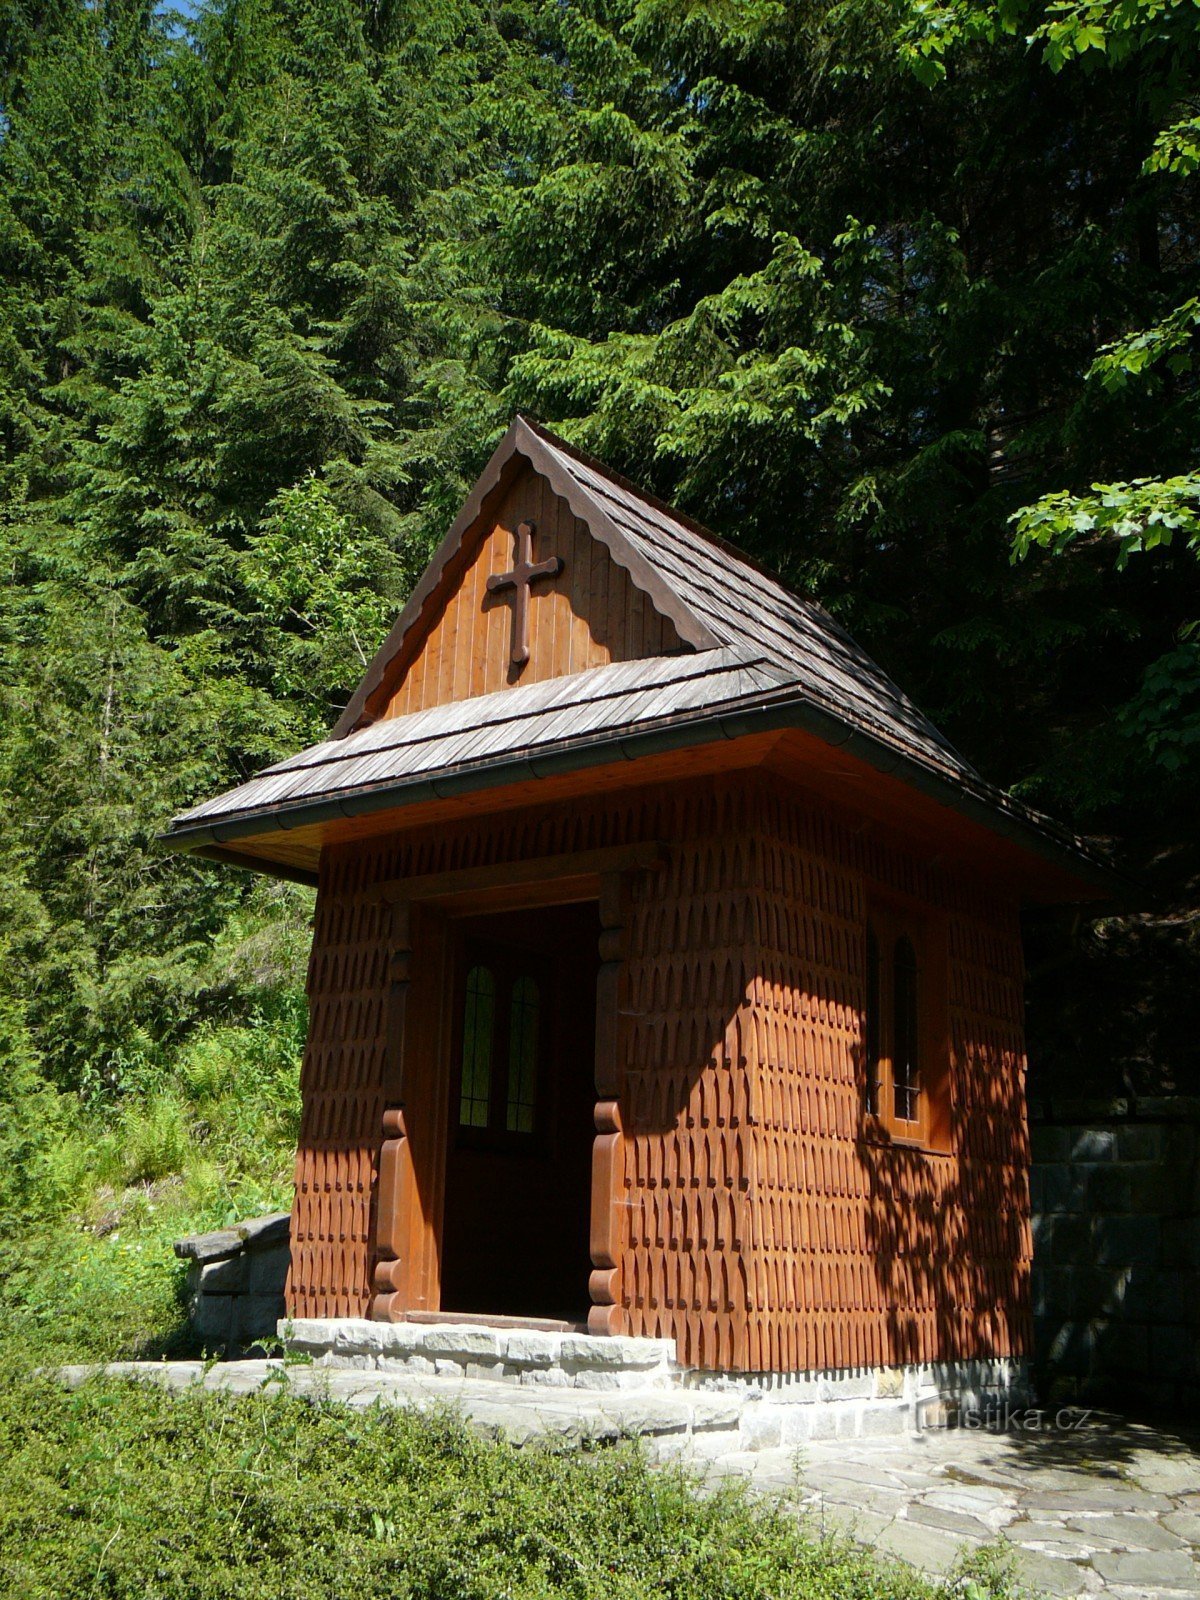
(477, 1048)
(522, 1056)
(905, 1081)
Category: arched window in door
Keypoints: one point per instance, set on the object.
(501, 1052)
(478, 1016)
(521, 1099)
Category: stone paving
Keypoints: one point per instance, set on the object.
(1111, 1508)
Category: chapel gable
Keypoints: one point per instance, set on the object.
(579, 609)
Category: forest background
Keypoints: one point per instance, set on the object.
(899, 295)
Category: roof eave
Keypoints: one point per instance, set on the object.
(988, 808)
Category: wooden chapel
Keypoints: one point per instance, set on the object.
(667, 972)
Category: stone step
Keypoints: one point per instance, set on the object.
(673, 1421)
(498, 1353)
(582, 1383)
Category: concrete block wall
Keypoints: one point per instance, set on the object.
(236, 1280)
(1116, 1254)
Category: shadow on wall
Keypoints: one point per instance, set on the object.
(947, 1235)
(765, 1234)
(1116, 1280)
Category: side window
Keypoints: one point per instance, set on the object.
(873, 1041)
(479, 1009)
(906, 1066)
(904, 1095)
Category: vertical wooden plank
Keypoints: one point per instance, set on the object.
(636, 608)
(564, 628)
(482, 632)
(555, 596)
(552, 597)
(580, 593)
(496, 656)
(598, 582)
(466, 631)
(541, 605)
(442, 664)
(614, 622)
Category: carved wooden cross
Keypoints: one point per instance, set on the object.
(525, 573)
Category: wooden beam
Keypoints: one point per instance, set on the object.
(250, 863)
(579, 869)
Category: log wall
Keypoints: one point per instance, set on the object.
(756, 1227)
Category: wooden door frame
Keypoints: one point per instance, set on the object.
(410, 1192)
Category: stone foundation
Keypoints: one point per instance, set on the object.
(786, 1408)
(771, 1409)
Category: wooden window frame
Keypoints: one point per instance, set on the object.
(889, 922)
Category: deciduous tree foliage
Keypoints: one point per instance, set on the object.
(899, 295)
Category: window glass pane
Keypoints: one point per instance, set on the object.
(522, 1056)
(905, 1082)
(872, 1023)
(477, 1048)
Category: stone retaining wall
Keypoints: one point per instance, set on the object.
(236, 1279)
(1116, 1270)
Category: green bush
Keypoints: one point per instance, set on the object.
(124, 1491)
(156, 1138)
(94, 1190)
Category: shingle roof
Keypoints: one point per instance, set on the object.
(760, 656)
(713, 593)
(531, 719)
(743, 605)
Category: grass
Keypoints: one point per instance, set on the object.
(123, 1491)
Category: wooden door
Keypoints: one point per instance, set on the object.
(518, 1171)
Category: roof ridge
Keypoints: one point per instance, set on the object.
(660, 544)
(693, 524)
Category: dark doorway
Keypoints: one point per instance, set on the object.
(518, 1171)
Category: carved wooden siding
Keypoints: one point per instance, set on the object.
(588, 616)
(686, 1096)
(862, 1253)
(341, 1085)
(747, 1218)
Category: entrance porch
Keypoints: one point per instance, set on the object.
(499, 1168)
